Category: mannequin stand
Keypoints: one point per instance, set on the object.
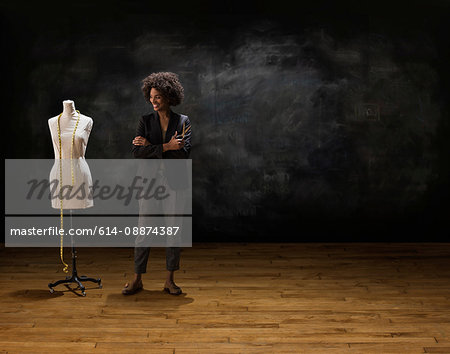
(74, 278)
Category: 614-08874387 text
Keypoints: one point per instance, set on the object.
(140, 230)
(98, 231)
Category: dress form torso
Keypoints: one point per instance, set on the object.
(78, 167)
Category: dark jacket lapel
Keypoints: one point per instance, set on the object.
(156, 129)
(173, 123)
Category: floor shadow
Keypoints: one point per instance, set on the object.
(35, 294)
(60, 290)
(158, 297)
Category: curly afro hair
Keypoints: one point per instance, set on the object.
(165, 82)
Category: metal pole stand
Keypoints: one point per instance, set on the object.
(74, 278)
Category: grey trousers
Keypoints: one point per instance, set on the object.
(168, 207)
(141, 258)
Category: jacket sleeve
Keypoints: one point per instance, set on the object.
(146, 152)
(184, 152)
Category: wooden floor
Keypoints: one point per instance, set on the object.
(243, 298)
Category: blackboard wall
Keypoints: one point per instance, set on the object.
(310, 123)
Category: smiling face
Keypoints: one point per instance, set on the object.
(158, 101)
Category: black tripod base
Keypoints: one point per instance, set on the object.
(75, 279)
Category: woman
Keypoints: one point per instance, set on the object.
(157, 137)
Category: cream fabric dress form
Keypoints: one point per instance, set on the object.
(80, 196)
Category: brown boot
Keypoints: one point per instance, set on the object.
(172, 289)
(133, 289)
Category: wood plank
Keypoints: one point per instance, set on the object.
(252, 298)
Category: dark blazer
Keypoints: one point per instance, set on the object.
(150, 128)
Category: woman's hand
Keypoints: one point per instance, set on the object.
(140, 141)
(174, 143)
